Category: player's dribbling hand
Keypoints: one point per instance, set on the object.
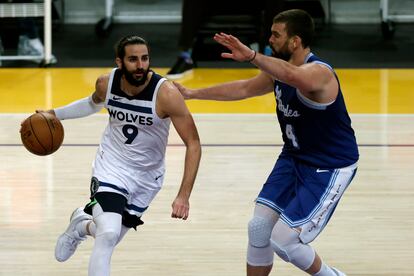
(180, 208)
(239, 51)
(51, 111)
(184, 91)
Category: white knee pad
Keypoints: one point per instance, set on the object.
(259, 230)
(286, 244)
(259, 251)
(260, 256)
(109, 239)
(108, 225)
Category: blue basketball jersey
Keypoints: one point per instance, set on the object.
(317, 134)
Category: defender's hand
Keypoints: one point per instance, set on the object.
(184, 91)
(239, 51)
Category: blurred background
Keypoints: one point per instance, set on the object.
(350, 33)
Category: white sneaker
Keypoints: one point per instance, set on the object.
(29, 47)
(68, 242)
(32, 47)
(339, 273)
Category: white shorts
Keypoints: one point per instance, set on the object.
(139, 186)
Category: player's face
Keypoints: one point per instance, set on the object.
(279, 42)
(135, 65)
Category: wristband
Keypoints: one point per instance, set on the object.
(254, 56)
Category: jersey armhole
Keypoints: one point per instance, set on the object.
(154, 98)
(109, 88)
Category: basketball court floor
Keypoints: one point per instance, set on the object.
(370, 234)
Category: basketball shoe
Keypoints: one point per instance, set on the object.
(182, 67)
(32, 47)
(68, 242)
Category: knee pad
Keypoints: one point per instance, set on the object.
(259, 251)
(108, 226)
(259, 230)
(260, 256)
(286, 244)
(108, 239)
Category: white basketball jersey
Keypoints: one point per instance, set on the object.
(135, 136)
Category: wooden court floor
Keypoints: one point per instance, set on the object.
(371, 232)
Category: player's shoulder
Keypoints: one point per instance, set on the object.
(168, 89)
(316, 62)
(101, 86)
(102, 81)
(104, 78)
(169, 98)
(319, 69)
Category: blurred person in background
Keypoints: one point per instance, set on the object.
(195, 13)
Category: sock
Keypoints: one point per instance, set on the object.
(325, 271)
(86, 227)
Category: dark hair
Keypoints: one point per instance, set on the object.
(128, 40)
(298, 22)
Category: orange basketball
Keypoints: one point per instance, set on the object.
(42, 133)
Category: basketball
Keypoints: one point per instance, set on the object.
(42, 133)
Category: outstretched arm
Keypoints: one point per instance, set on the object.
(86, 106)
(172, 104)
(308, 78)
(231, 91)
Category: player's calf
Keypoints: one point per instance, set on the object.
(287, 245)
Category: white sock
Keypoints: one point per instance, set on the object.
(86, 227)
(325, 271)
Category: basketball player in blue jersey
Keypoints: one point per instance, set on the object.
(319, 156)
(128, 170)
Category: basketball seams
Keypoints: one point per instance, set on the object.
(50, 131)
(42, 133)
(35, 135)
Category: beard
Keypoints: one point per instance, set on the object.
(283, 53)
(129, 76)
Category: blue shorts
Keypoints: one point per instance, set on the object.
(305, 196)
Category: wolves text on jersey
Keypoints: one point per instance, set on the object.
(129, 117)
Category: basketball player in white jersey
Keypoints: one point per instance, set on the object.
(128, 170)
(319, 155)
